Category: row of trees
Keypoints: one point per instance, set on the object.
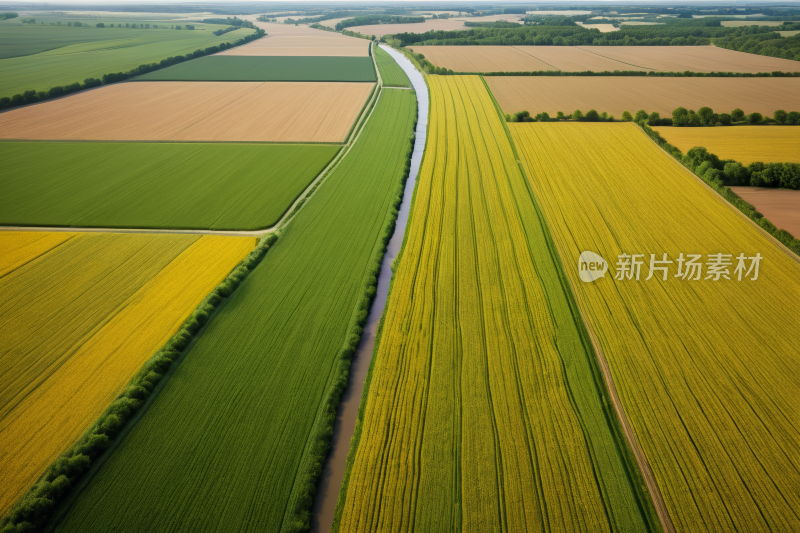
(718, 174)
(31, 96)
(590, 116)
(225, 30)
(377, 19)
(235, 21)
(8, 15)
(765, 44)
(705, 116)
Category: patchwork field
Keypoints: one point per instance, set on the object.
(120, 50)
(155, 185)
(258, 68)
(288, 40)
(615, 94)
(745, 144)
(780, 206)
(78, 320)
(391, 73)
(242, 404)
(183, 111)
(706, 370)
(485, 410)
(600, 59)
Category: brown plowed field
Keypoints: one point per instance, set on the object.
(601, 58)
(615, 94)
(780, 206)
(195, 111)
(745, 144)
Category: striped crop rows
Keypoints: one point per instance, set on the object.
(707, 370)
(484, 411)
(78, 321)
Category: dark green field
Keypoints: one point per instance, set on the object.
(154, 185)
(391, 73)
(250, 68)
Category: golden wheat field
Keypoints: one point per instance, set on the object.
(192, 111)
(600, 59)
(77, 323)
(615, 94)
(482, 413)
(707, 370)
(20, 247)
(745, 144)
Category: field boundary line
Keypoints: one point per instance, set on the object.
(537, 58)
(618, 61)
(729, 205)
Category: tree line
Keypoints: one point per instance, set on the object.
(377, 19)
(32, 96)
(8, 15)
(720, 174)
(235, 21)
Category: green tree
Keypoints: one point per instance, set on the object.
(793, 118)
(780, 116)
(737, 115)
(100, 25)
(706, 115)
(577, 115)
(626, 116)
(592, 115)
(680, 117)
(725, 119)
(654, 119)
(754, 118)
(640, 115)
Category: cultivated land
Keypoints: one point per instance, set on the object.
(706, 370)
(780, 206)
(257, 68)
(120, 50)
(183, 111)
(615, 94)
(600, 59)
(288, 40)
(745, 144)
(78, 321)
(485, 410)
(155, 185)
(223, 445)
(391, 73)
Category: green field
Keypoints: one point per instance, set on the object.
(391, 73)
(254, 68)
(222, 446)
(154, 185)
(48, 56)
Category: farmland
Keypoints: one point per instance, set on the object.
(288, 40)
(183, 111)
(229, 440)
(745, 144)
(716, 416)
(268, 68)
(121, 50)
(77, 323)
(615, 94)
(484, 408)
(391, 73)
(600, 59)
(155, 185)
(780, 206)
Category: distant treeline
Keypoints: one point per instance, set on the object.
(327, 16)
(377, 19)
(8, 15)
(719, 174)
(562, 31)
(225, 30)
(765, 44)
(31, 96)
(235, 21)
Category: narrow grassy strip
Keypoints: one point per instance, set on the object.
(391, 73)
(56, 409)
(233, 440)
(482, 374)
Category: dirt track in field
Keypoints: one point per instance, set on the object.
(779, 206)
(191, 111)
(601, 58)
(615, 94)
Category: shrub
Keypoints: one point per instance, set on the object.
(725, 119)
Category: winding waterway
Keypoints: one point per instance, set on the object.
(333, 471)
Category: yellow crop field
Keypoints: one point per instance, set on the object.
(79, 321)
(20, 247)
(745, 144)
(482, 412)
(706, 362)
